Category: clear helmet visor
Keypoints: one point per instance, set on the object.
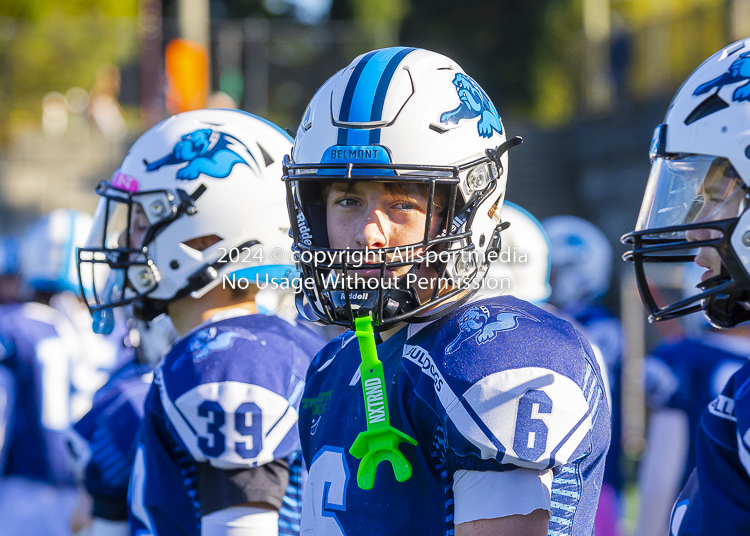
(122, 219)
(110, 221)
(688, 190)
(122, 224)
(690, 203)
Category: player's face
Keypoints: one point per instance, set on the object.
(720, 197)
(372, 215)
(139, 224)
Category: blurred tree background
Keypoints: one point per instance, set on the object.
(533, 58)
(47, 45)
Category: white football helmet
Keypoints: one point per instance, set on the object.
(398, 115)
(581, 261)
(523, 265)
(202, 190)
(697, 192)
(48, 251)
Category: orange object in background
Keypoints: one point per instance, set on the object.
(186, 64)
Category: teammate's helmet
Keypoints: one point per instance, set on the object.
(581, 261)
(398, 115)
(522, 268)
(48, 251)
(197, 198)
(697, 191)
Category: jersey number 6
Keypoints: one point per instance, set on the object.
(530, 437)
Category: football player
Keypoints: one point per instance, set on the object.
(580, 276)
(103, 442)
(53, 364)
(489, 417)
(696, 200)
(191, 225)
(681, 377)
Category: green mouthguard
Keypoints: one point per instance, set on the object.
(380, 441)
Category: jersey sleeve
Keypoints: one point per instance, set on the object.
(524, 393)
(530, 417)
(235, 420)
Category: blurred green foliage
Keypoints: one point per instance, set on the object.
(47, 45)
(39, 9)
(530, 57)
(556, 64)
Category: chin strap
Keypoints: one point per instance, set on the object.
(381, 440)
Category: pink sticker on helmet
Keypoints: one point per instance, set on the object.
(125, 182)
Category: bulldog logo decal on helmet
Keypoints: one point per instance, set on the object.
(205, 151)
(474, 103)
(739, 71)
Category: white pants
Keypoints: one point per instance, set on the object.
(29, 508)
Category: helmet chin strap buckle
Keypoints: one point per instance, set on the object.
(726, 311)
(497, 152)
(187, 201)
(503, 148)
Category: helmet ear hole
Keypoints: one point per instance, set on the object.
(711, 105)
(267, 158)
(202, 243)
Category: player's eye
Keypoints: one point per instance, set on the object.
(347, 202)
(406, 205)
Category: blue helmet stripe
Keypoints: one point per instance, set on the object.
(383, 85)
(365, 93)
(346, 103)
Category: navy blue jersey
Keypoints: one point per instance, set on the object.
(107, 444)
(686, 374)
(54, 385)
(224, 400)
(497, 385)
(716, 499)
